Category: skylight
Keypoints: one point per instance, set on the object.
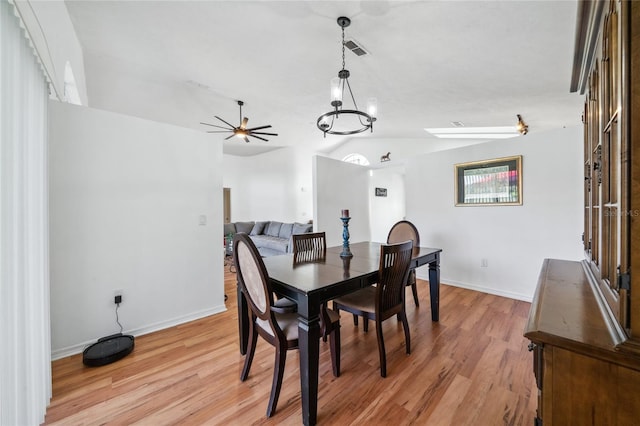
(503, 132)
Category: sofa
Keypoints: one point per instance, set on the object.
(270, 237)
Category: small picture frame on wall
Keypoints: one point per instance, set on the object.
(381, 192)
(496, 182)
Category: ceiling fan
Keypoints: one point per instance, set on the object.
(241, 131)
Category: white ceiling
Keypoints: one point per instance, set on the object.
(430, 63)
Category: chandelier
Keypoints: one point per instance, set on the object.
(356, 121)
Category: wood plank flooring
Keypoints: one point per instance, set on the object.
(470, 368)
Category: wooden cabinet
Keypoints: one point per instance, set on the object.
(584, 323)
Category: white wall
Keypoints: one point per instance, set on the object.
(385, 211)
(126, 200)
(272, 186)
(513, 239)
(337, 186)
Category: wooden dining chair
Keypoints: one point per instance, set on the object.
(278, 328)
(403, 231)
(312, 247)
(386, 299)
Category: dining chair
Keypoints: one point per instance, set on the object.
(278, 328)
(386, 299)
(403, 231)
(312, 247)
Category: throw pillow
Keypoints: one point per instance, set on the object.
(273, 229)
(301, 228)
(285, 230)
(258, 228)
(245, 227)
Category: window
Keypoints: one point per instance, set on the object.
(356, 158)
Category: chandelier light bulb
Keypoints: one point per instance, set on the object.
(372, 107)
(336, 89)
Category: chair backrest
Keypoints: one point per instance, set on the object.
(309, 247)
(403, 231)
(254, 279)
(392, 275)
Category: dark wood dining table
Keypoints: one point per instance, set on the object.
(311, 284)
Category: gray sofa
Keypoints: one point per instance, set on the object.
(270, 237)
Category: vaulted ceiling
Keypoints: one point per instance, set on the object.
(429, 63)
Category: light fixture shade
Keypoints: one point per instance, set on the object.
(336, 89)
(372, 107)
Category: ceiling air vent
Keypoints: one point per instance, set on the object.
(355, 48)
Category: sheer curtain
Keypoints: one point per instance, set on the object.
(25, 348)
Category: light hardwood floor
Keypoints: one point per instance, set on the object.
(470, 368)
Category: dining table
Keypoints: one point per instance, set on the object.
(310, 284)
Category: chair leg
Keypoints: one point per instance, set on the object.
(407, 336)
(414, 290)
(334, 344)
(278, 373)
(383, 355)
(365, 324)
(355, 320)
(251, 349)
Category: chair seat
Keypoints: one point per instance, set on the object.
(362, 300)
(333, 316)
(288, 323)
(287, 304)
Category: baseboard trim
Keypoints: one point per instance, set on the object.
(483, 289)
(76, 349)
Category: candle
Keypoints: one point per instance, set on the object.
(345, 213)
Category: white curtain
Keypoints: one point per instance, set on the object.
(25, 347)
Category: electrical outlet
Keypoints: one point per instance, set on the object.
(117, 296)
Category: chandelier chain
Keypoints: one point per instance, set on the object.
(342, 47)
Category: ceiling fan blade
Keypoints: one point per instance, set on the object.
(218, 131)
(243, 125)
(228, 124)
(213, 125)
(226, 139)
(246, 139)
(254, 136)
(258, 128)
(263, 133)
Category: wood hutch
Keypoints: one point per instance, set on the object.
(584, 323)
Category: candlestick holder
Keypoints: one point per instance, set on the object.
(346, 251)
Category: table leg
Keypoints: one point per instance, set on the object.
(434, 288)
(243, 321)
(309, 344)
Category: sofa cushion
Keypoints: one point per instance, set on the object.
(301, 228)
(258, 228)
(274, 243)
(244, 227)
(285, 230)
(267, 252)
(273, 229)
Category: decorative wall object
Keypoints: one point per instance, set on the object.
(381, 192)
(385, 157)
(489, 182)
